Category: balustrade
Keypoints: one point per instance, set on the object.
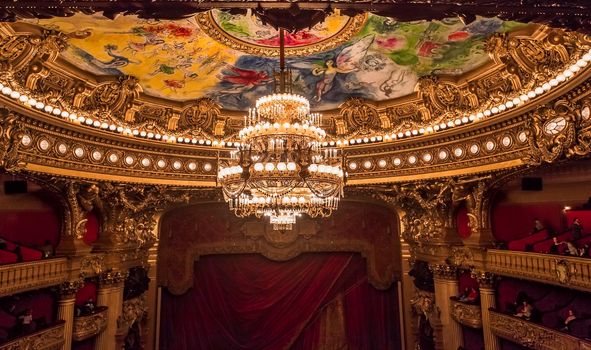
(50, 338)
(532, 335)
(466, 314)
(571, 272)
(21, 277)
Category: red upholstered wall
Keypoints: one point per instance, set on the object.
(30, 228)
(584, 217)
(92, 228)
(473, 338)
(462, 223)
(87, 344)
(86, 292)
(43, 304)
(30, 218)
(515, 220)
(466, 281)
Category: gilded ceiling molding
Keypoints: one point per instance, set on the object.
(208, 24)
(440, 100)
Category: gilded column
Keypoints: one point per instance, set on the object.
(65, 309)
(110, 294)
(446, 285)
(486, 282)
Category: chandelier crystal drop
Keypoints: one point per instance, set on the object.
(280, 169)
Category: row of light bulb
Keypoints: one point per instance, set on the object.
(265, 128)
(281, 166)
(73, 117)
(82, 120)
(514, 102)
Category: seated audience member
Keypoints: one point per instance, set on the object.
(569, 318)
(584, 250)
(525, 310)
(26, 323)
(571, 249)
(47, 250)
(88, 307)
(554, 247)
(576, 228)
(470, 295)
(537, 227)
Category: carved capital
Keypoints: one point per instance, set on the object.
(444, 271)
(68, 289)
(485, 279)
(111, 278)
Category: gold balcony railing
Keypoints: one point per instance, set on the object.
(466, 314)
(547, 268)
(51, 338)
(20, 277)
(90, 325)
(532, 335)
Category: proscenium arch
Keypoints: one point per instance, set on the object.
(363, 226)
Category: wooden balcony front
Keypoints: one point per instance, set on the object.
(547, 268)
(466, 314)
(21, 277)
(532, 335)
(90, 325)
(51, 338)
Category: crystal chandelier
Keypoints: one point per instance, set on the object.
(282, 167)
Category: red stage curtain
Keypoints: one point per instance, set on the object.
(250, 302)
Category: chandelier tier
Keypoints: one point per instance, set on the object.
(280, 169)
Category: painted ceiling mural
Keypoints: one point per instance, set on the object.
(381, 60)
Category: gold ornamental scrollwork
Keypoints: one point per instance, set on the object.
(467, 314)
(90, 325)
(532, 335)
(559, 131)
(208, 24)
(133, 310)
(11, 135)
(564, 271)
(358, 117)
(51, 338)
(68, 289)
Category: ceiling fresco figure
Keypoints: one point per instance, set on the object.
(180, 60)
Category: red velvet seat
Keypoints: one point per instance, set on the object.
(30, 254)
(522, 243)
(7, 321)
(7, 257)
(544, 246)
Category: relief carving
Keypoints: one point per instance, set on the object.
(200, 116)
(114, 98)
(11, 134)
(558, 131)
(466, 314)
(359, 118)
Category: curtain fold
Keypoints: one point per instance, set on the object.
(250, 302)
